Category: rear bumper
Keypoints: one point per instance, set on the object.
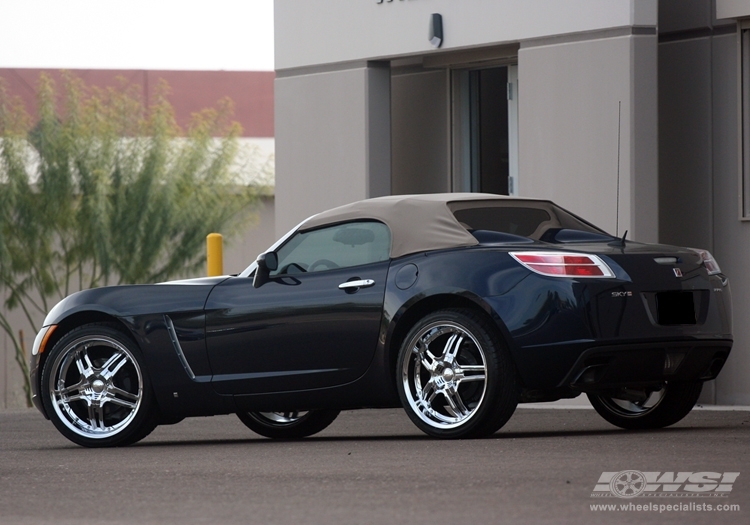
(608, 367)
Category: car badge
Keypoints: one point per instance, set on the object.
(677, 272)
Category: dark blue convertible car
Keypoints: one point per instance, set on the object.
(456, 307)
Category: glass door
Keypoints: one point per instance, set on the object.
(485, 130)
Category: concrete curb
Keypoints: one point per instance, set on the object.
(581, 406)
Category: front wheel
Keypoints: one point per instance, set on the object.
(636, 409)
(455, 376)
(288, 425)
(95, 389)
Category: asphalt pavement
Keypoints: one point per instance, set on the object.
(370, 467)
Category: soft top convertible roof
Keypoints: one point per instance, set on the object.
(417, 222)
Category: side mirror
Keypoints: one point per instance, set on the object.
(267, 262)
(270, 260)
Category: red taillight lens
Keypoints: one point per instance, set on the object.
(557, 264)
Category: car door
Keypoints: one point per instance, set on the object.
(315, 324)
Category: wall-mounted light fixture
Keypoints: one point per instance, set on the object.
(436, 29)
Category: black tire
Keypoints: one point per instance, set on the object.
(467, 387)
(96, 390)
(660, 409)
(288, 425)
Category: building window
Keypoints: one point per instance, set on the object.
(745, 90)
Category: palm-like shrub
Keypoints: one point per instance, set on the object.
(105, 188)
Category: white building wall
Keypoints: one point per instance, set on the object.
(732, 8)
(332, 140)
(730, 236)
(577, 126)
(699, 164)
(314, 32)
(600, 53)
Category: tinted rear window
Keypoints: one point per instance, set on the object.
(537, 220)
(518, 221)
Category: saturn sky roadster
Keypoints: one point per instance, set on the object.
(456, 307)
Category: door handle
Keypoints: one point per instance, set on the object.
(361, 283)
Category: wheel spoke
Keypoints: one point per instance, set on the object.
(85, 368)
(112, 359)
(466, 373)
(468, 379)
(66, 400)
(116, 391)
(96, 417)
(427, 409)
(470, 373)
(432, 397)
(471, 368)
(64, 391)
(428, 391)
(100, 414)
(428, 360)
(120, 402)
(429, 365)
(455, 404)
(119, 360)
(451, 348)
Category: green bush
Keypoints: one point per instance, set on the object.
(106, 189)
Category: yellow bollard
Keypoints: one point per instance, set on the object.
(214, 254)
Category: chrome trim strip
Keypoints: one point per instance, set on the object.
(177, 347)
(595, 261)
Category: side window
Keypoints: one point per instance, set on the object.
(340, 246)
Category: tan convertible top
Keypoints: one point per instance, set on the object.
(417, 222)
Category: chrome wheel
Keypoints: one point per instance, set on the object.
(635, 407)
(280, 418)
(643, 409)
(444, 375)
(291, 424)
(95, 386)
(456, 378)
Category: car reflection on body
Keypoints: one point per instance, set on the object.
(456, 307)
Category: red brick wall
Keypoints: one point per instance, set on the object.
(251, 91)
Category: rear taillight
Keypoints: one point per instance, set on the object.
(708, 261)
(559, 264)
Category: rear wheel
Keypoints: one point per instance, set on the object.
(455, 376)
(95, 389)
(644, 409)
(288, 425)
